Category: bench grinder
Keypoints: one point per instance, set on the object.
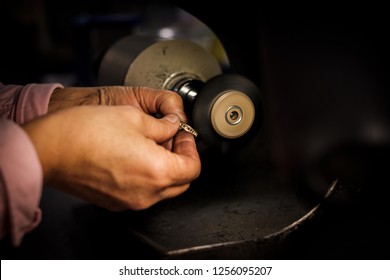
(225, 109)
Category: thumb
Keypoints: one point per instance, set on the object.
(163, 129)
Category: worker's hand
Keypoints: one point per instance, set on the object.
(112, 155)
(164, 102)
(149, 100)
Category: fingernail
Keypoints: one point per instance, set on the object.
(172, 118)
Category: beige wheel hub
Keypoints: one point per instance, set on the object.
(232, 114)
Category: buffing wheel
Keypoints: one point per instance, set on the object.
(232, 114)
(227, 110)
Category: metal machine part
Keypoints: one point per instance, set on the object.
(233, 108)
(229, 109)
(153, 62)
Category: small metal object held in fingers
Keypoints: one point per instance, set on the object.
(188, 128)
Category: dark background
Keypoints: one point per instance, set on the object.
(323, 72)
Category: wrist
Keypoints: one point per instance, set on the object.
(63, 98)
(43, 139)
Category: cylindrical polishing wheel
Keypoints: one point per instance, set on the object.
(227, 110)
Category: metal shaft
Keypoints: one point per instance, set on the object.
(188, 90)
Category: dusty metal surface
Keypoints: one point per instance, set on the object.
(237, 199)
(146, 61)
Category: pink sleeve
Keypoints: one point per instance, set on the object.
(24, 103)
(21, 174)
(20, 182)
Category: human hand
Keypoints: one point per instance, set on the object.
(149, 100)
(112, 157)
(163, 101)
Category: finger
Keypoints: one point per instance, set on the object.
(185, 145)
(173, 191)
(184, 163)
(168, 144)
(184, 166)
(161, 130)
(160, 101)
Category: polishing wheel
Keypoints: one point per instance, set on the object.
(225, 109)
